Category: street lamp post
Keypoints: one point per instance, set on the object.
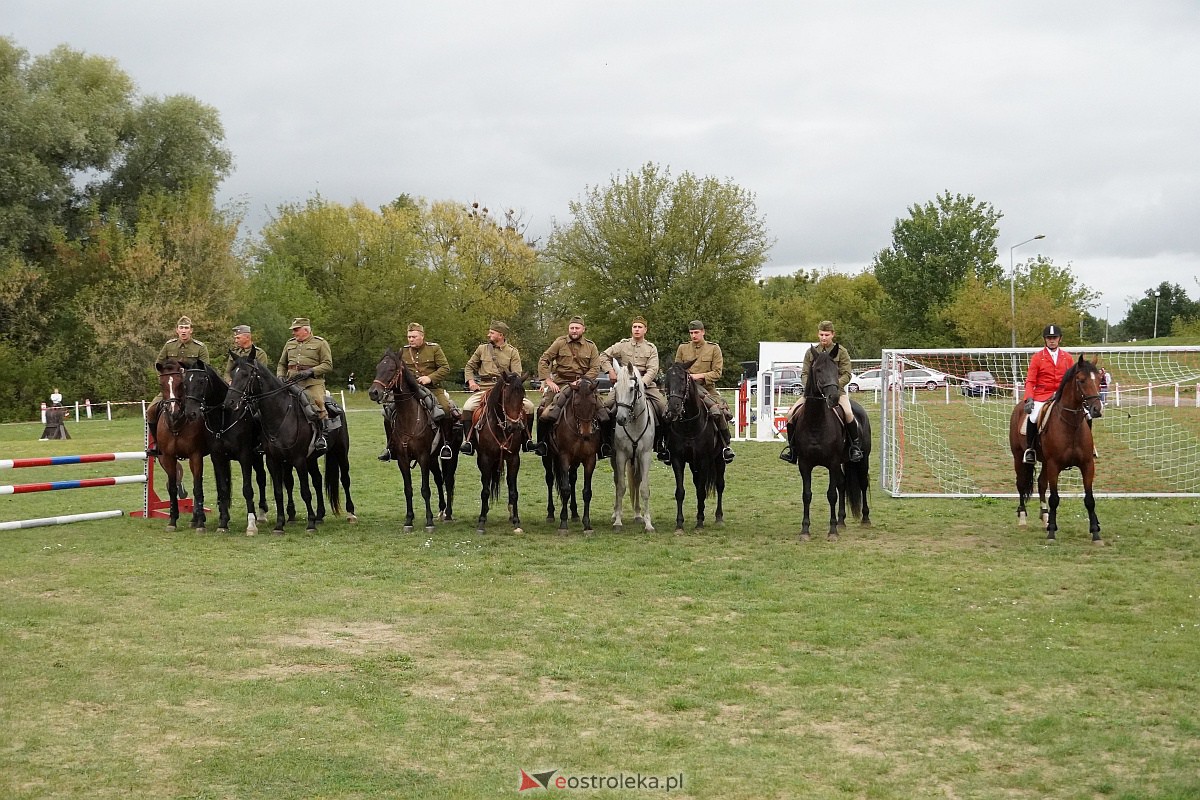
(1156, 294)
(1012, 284)
(1107, 309)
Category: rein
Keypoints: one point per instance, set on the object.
(499, 419)
(639, 391)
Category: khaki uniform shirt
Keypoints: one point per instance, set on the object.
(184, 351)
(312, 354)
(566, 361)
(843, 362)
(709, 362)
(260, 356)
(488, 361)
(643, 355)
(428, 360)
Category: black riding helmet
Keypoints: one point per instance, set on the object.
(1051, 330)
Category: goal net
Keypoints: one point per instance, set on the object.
(951, 440)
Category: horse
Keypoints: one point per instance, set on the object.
(498, 442)
(180, 434)
(231, 437)
(693, 438)
(573, 441)
(633, 445)
(1064, 441)
(413, 438)
(288, 436)
(817, 438)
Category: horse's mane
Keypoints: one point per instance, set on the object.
(1082, 365)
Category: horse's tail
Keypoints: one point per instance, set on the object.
(334, 464)
(857, 485)
(1025, 480)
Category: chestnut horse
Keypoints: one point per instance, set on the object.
(180, 434)
(1064, 441)
(414, 438)
(573, 441)
(498, 443)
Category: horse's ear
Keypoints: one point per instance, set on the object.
(158, 365)
(688, 364)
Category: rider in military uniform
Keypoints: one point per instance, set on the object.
(567, 360)
(484, 366)
(841, 355)
(708, 364)
(305, 361)
(184, 349)
(429, 364)
(243, 345)
(639, 352)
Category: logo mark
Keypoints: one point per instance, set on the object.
(538, 780)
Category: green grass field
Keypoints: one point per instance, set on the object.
(941, 653)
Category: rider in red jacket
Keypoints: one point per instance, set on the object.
(1046, 370)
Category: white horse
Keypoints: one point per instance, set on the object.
(633, 445)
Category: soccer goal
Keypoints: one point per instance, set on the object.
(944, 414)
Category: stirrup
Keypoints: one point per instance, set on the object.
(320, 445)
(856, 453)
(605, 450)
(445, 454)
(386, 455)
(466, 448)
(787, 455)
(664, 456)
(1030, 456)
(728, 455)
(153, 451)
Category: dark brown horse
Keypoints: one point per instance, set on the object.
(180, 434)
(817, 438)
(694, 439)
(1064, 441)
(498, 443)
(573, 441)
(413, 438)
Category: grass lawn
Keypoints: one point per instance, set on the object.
(942, 653)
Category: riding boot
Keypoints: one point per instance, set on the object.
(321, 445)
(608, 427)
(727, 453)
(386, 455)
(856, 451)
(447, 452)
(786, 454)
(543, 429)
(1030, 443)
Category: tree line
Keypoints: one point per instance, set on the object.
(110, 230)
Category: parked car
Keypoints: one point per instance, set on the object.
(980, 383)
(871, 380)
(786, 380)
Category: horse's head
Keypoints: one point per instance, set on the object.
(390, 376)
(507, 399)
(245, 382)
(679, 385)
(823, 378)
(626, 391)
(196, 385)
(1085, 384)
(170, 382)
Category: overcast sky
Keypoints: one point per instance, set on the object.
(1077, 120)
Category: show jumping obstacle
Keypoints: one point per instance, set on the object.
(152, 505)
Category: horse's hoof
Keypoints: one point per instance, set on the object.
(588, 531)
(804, 537)
(515, 530)
(649, 528)
(408, 528)
(429, 529)
(170, 529)
(251, 531)
(833, 537)
(261, 516)
(480, 531)
(351, 518)
(278, 531)
(618, 527)
(866, 523)
(222, 530)
(679, 531)
(1099, 543)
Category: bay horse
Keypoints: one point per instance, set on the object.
(413, 438)
(288, 436)
(498, 442)
(1064, 440)
(231, 437)
(694, 439)
(633, 445)
(573, 441)
(180, 434)
(817, 438)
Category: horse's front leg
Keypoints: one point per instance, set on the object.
(563, 479)
(306, 494)
(260, 475)
(642, 481)
(806, 496)
(281, 481)
(247, 469)
(1052, 517)
(833, 495)
(168, 466)
(841, 499)
(589, 467)
(619, 466)
(680, 493)
(406, 475)
(698, 483)
(318, 485)
(426, 495)
(1043, 484)
(1089, 501)
(574, 479)
(196, 463)
(223, 477)
(551, 486)
(719, 485)
(514, 466)
(485, 471)
(448, 472)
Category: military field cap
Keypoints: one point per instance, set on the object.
(639, 319)
(184, 322)
(695, 325)
(416, 326)
(576, 320)
(498, 327)
(241, 329)
(826, 325)
(301, 322)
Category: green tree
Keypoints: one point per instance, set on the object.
(1172, 303)
(672, 249)
(933, 251)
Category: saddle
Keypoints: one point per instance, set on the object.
(1043, 418)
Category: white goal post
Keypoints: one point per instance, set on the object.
(952, 441)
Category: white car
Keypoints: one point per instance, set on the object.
(871, 380)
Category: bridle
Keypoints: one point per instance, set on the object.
(399, 392)
(510, 427)
(202, 379)
(637, 390)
